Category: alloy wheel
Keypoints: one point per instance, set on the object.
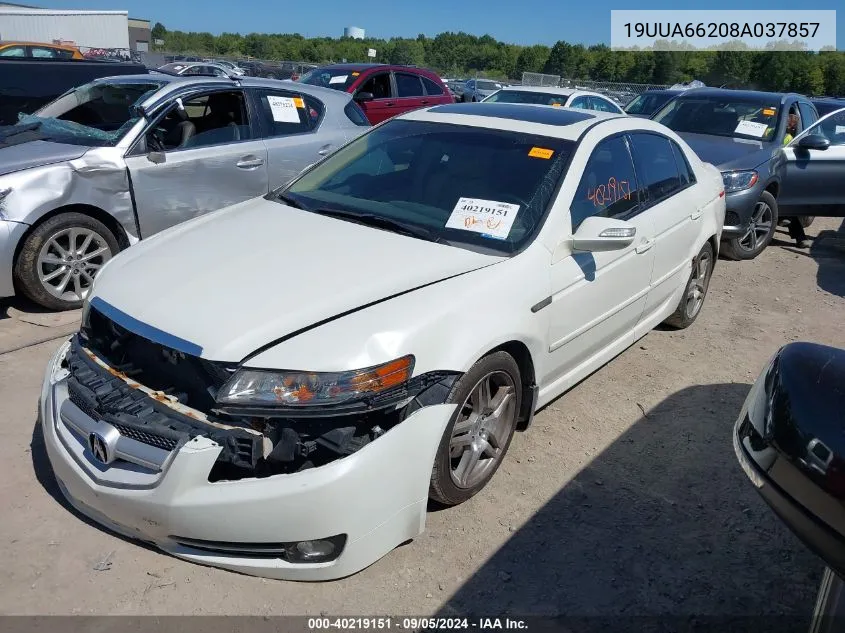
(697, 287)
(69, 261)
(759, 229)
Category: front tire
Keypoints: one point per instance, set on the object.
(489, 397)
(764, 221)
(60, 258)
(689, 307)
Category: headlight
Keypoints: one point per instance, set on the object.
(259, 387)
(738, 180)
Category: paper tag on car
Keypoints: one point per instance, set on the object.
(839, 129)
(283, 109)
(751, 128)
(488, 217)
(338, 79)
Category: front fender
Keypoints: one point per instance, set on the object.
(446, 326)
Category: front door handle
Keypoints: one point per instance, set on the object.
(695, 214)
(424, 101)
(644, 246)
(250, 162)
(389, 103)
(324, 151)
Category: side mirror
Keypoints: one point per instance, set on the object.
(361, 97)
(156, 157)
(814, 141)
(603, 234)
(789, 441)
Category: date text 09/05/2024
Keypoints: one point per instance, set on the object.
(415, 624)
(721, 29)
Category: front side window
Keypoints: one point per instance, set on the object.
(739, 117)
(472, 187)
(408, 85)
(580, 102)
(832, 128)
(378, 85)
(13, 51)
(808, 114)
(284, 113)
(608, 187)
(656, 166)
(210, 119)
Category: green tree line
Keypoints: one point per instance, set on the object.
(462, 55)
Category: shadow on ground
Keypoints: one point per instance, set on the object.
(828, 249)
(663, 522)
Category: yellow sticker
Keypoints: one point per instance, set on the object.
(540, 152)
(557, 105)
(355, 74)
(769, 112)
(298, 102)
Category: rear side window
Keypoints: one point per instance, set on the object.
(431, 87)
(580, 103)
(684, 170)
(608, 187)
(656, 166)
(355, 114)
(284, 113)
(603, 105)
(408, 85)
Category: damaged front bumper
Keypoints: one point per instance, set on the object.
(366, 503)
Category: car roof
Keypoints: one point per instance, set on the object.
(741, 94)
(564, 123)
(552, 90)
(65, 47)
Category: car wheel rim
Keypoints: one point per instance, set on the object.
(697, 287)
(69, 261)
(761, 226)
(481, 431)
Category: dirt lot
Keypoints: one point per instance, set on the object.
(623, 498)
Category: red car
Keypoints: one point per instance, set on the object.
(383, 90)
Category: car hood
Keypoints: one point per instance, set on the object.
(20, 156)
(729, 153)
(230, 282)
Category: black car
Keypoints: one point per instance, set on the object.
(744, 134)
(649, 102)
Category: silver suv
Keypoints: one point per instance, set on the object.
(122, 158)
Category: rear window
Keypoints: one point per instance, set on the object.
(337, 78)
(520, 96)
(356, 114)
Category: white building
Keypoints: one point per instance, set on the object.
(92, 29)
(353, 32)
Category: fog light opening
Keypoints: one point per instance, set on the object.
(317, 551)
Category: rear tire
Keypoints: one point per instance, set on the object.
(478, 435)
(59, 259)
(692, 301)
(760, 233)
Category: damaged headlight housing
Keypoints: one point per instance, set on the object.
(260, 387)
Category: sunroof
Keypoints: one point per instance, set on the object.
(518, 112)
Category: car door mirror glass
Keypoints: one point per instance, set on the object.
(814, 141)
(603, 234)
(364, 96)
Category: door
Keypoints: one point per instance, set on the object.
(675, 210)
(813, 181)
(195, 159)
(383, 104)
(598, 298)
(410, 92)
(295, 130)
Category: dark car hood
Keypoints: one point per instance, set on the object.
(36, 154)
(729, 153)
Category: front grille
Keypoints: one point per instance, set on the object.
(731, 218)
(144, 437)
(77, 399)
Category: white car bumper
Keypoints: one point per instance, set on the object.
(377, 496)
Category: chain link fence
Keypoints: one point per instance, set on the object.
(539, 79)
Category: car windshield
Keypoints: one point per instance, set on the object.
(337, 78)
(96, 114)
(736, 117)
(519, 96)
(648, 103)
(175, 68)
(488, 85)
(478, 188)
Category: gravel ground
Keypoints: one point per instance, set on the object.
(624, 498)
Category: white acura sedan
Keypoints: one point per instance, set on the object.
(280, 387)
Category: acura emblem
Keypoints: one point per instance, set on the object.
(101, 448)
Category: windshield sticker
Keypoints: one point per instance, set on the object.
(283, 109)
(557, 105)
(487, 217)
(769, 111)
(355, 74)
(541, 152)
(751, 128)
(839, 129)
(298, 102)
(338, 79)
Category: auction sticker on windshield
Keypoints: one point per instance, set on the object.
(751, 128)
(338, 79)
(283, 109)
(487, 217)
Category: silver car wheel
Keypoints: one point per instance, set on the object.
(761, 226)
(482, 429)
(69, 261)
(697, 287)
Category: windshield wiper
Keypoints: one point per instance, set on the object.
(381, 222)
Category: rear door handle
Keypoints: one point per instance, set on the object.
(424, 101)
(389, 103)
(644, 246)
(695, 214)
(250, 162)
(324, 151)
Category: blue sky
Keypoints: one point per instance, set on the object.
(515, 21)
